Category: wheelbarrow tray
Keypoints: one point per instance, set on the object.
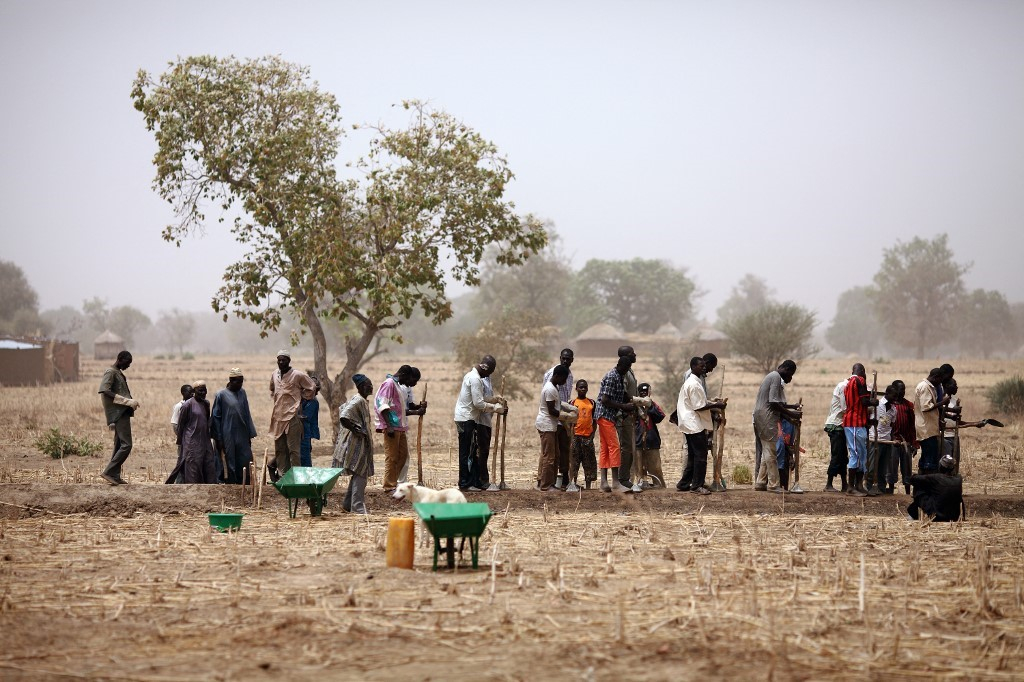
(307, 483)
(466, 521)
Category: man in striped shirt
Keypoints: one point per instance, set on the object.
(904, 433)
(855, 426)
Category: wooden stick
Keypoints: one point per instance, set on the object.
(504, 432)
(419, 442)
(719, 451)
(263, 480)
(796, 452)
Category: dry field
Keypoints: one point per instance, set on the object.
(128, 582)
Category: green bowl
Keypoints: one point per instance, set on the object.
(224, 522)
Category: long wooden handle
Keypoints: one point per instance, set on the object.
(419, 442)
(504, 432)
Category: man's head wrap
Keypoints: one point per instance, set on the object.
(197, 383)
(286, 353)
(235, 372)
(359, 378)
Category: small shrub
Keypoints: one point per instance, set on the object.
(160, 357)
(741, 474)
(188, 356)
(58, 445)
(1008, 395)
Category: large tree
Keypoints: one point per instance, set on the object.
(125, 320)
(178, 327)
(769, 335)
(19, 303)
(855, 328)
(750, 294)
(259, 138)
(917, 291)
(636, 295)
(986, 324)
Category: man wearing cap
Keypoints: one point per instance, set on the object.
(118, 408)
(354, 452)
(232, 427)
(197, 455)
(286, 386)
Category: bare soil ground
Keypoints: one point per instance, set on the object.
(129, 583)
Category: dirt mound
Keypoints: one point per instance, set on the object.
(22, 500)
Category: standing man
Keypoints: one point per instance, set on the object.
(694, 412)
(626, 424)
(855, 428)
(547, 424)
(837, 437)
(197, 455)
(878, 473)
(392, 412)
(565, 359)
(905, 435)
(471, 403)
(412, 409)
(186, 393)
(612, 407)
(232, 426)
(354, 452)
(769, 408)
(118, 408)
(927, 406)
(286, 387)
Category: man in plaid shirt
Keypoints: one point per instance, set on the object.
(612, 405)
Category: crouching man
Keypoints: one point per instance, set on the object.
(939, 496)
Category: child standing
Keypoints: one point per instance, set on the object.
(582, 448)
(309, 413)
(648, 439)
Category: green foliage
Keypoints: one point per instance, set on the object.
(741, 475)
(186, 356)
(1007, 396)
(917, 290)
(772, 334)
(986, 324)
(636, 295)
(58, 445)
(260, 138)
(855, 328)
(522, 342)
(125, 321)
(672, 361)
(750, 294)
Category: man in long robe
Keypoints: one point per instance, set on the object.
(232, 427)
(197, 455)
(354, 452)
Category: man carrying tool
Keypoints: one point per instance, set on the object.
(392, 410)
(471, 403)
(905, 436)
(547, 421)
(855, 427)
(648, 439)
(878, 459)
(694, 414)
(565, 359)
(927, 408)
(769, 408)
(286, 386)
(412, 409)
(118, 408)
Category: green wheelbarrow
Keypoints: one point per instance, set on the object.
(307, 483)
(450, 521)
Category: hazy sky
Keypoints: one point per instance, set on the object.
(793, 140)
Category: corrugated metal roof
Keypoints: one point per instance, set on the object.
(11, 344)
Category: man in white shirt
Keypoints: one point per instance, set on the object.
(470, 404)
(837, 437)
(694, 413)
(547, 424)
(565, 359)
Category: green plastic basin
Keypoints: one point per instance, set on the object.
(224, 522)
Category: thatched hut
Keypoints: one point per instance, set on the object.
(107, 345)
(599, 341)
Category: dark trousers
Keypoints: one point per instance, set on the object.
(564, 443)
(880, 473)
(122, 445)
(839, 457)
(483, 451)
(627, 448)
(467, 456)
(696, 470)
(899, 463)
(929, 462)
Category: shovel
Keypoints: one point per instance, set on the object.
(796, 489)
